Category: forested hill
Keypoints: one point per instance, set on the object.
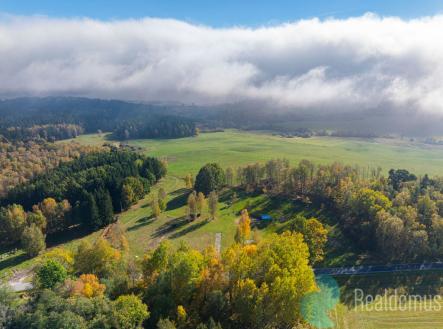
(65, 117)
(85, 191)
(159, 127)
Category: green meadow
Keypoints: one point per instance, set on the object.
(234, 148)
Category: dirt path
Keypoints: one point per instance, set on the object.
(19, 282)
(218, 237)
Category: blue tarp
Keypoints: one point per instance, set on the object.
(265, 217)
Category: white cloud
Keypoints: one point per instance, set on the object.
(356, 63)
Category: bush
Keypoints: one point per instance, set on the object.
(50, 274)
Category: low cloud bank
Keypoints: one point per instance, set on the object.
(354, 64)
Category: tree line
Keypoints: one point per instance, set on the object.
(400, 216)
(160, 127)
(47, 132)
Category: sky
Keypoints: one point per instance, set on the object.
(223, 13)
(287, 54)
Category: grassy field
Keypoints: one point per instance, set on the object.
(233, 148)
(385, 313)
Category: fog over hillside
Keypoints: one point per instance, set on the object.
(379, 67)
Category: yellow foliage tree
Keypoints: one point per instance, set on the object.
(189, 181)
(62, 256)
(181, 314)
(98, 258)
(243, 228)
(88, 286)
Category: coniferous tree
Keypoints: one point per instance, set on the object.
(105, 209)
(89, 213)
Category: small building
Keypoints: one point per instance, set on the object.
(265, 217)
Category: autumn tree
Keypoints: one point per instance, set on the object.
(36, 217)
(155, 207)
(129, 312)
(87, 285)
(189, 181)
(56, 214)
(99, 258)
(192, 206)
(33, 240)
(362, 212)
(201, 203)
(172, 276)
(63, 256)
(162, 199)
(390, 235)
(243, 227)
(268, 281)
(127, 196)
(314, 234)
(213, 204)
(165, 324)
(12, 224)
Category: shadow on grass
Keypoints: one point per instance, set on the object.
(73, 233)
(177, 202)
(144, 221)
(227, 194)
(180, 191)
(170, 226)
(13, 261)
(189, 229)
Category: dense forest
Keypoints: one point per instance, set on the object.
(47, 132)
(86, 191)
(21, 161)
(55, 118)
(159, 127)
